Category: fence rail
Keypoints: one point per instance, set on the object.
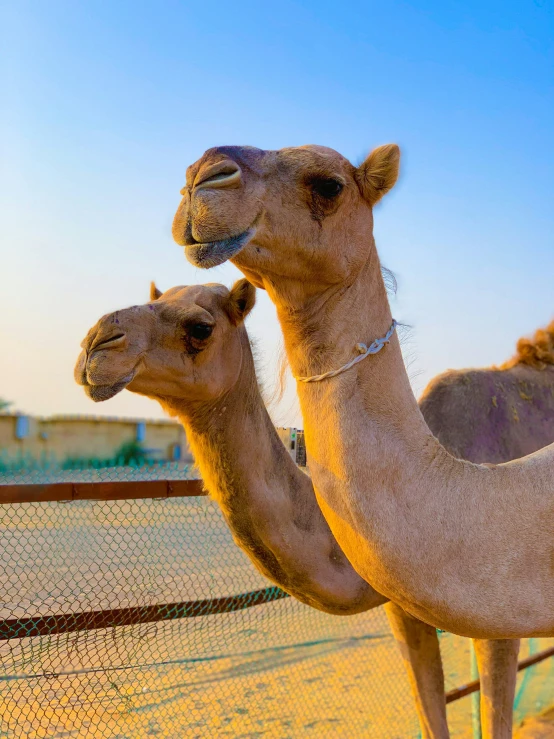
(65, 623)
(474, 685)
(61, 491)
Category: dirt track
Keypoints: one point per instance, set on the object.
(278, 670)
(539, 727)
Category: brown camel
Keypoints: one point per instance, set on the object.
(188, 349)
(467, 548)
(419, 644)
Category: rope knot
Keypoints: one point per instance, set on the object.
(363, 352)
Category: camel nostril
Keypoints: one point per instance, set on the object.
(110, 343)
(223, 174)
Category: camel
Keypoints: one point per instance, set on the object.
(188, 349)
(465, 547)
(419, 643)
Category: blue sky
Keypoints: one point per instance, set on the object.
(107, 103)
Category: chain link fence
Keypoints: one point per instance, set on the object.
(139, 617)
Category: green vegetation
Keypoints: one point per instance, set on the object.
(4, 405)
(129, 454)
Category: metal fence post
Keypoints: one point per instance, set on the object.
(476, 697)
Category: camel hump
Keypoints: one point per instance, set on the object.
(447, 395)
(462, 409)
(537, 352)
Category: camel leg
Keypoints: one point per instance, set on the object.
(497, 662)
(419, 646)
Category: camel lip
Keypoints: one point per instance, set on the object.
(99, 393)
(214, 253)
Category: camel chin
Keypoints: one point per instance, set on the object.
(214, 253)
(98, 393)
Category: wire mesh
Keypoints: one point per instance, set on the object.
(273, 669)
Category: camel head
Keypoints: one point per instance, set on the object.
(300, 214)
(183, 344)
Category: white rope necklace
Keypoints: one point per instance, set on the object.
(363, 352)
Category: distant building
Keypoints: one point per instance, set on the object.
(99, 437)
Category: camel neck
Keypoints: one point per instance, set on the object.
(429, 531)
(322, 336)
(368, 445)
(267, 501)
(232, 437)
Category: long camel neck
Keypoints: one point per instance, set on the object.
(429, 531)
(267, 501)
(322, 336)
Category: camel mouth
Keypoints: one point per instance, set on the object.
(214, 253)
(99, 393)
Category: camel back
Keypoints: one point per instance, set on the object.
(497, 414)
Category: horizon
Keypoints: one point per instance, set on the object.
(107, 106)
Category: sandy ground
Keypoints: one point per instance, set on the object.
(278, 671)
(539, 727)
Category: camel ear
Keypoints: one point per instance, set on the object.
(240, 301)
(378, 174)
(154, 292)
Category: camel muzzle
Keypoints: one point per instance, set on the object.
(98, 393)
(215, 253)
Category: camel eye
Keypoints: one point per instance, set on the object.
(327, 187)
(201, 331)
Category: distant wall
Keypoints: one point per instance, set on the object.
(99, 437)
(90, 436)
(12, 426)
